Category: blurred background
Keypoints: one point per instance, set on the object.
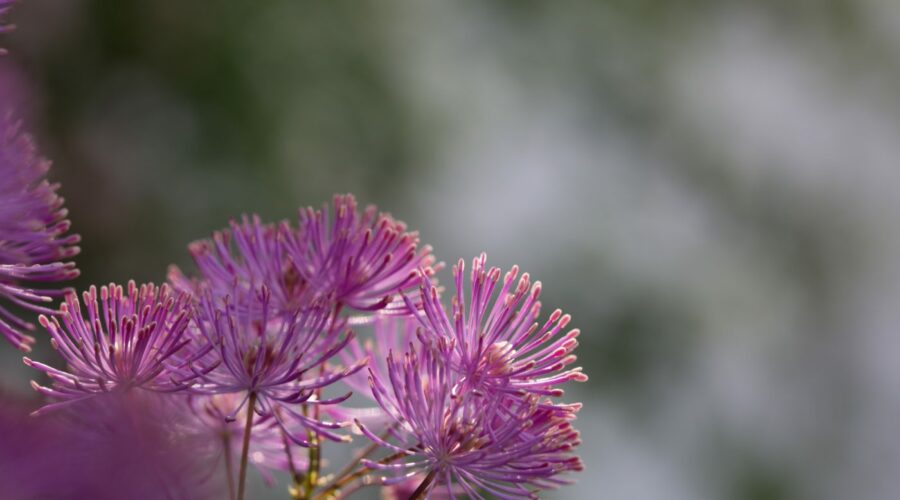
(709, 187)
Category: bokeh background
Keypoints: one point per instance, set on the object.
(710, 188)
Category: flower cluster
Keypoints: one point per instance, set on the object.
(127, 340)
(250, 354)
(471, 398)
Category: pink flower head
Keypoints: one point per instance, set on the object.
(453, 441)
(497, 343)
(34, 245)
(245, 256)
(358, 260)
(251, 349)
(127, 341)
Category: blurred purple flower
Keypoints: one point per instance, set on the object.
(453, 441)
(33, 240)
(497, 344)
(355, 260)
(126, 341)
(18, 92)
(126, 454)
(217, 436)
(280, 361)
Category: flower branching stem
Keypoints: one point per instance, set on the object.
(312, 475)
(341, 476)
(331, 491)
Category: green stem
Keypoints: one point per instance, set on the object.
(229, 466)
(242, 480)
(312, 476)
(312, 468)
(296, 478)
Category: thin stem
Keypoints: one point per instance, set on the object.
(423, 487)
(296, 478)
(312, 467)
(242, 481)
(229, 466)
(368, 450)
(312, 476)
(315, 444)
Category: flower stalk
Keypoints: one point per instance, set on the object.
(229, 467)
(245, 446)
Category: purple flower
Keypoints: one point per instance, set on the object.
(360, 260)
(496, 342)
(508, 452)
(127, 341)
(278, 361)
(33, 240)
(246, 255)
(126, 453)
(194, 427)
(355, 260)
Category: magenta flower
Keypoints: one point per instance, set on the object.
(246, 255)
(127, 453)
(125, 342)
(279, 362)
(508, 452)
(33, 241)
(361, 261)
(355, 260)
(497, 344)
